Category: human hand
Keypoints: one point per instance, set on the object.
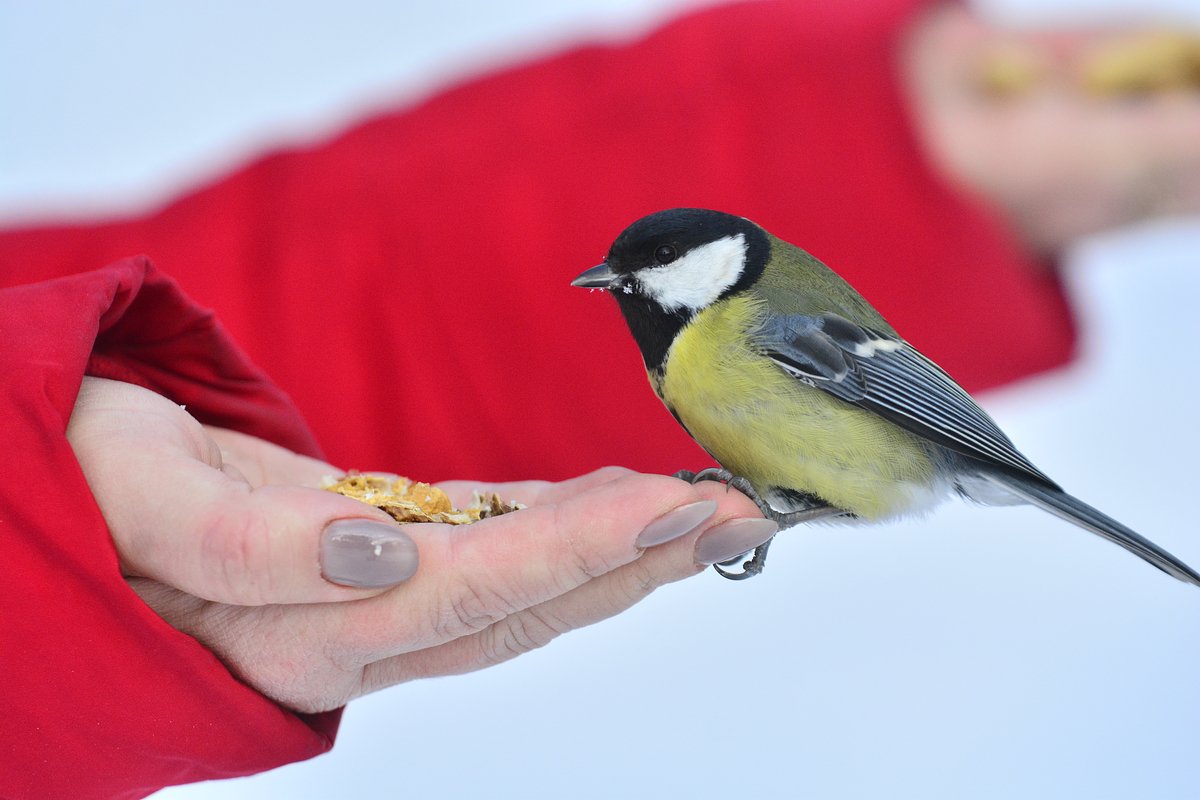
(585, 549)
(1069, 131)
(224, 516)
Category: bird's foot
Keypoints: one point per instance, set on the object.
(719, 474)
(750, 567)
(722, 475)
(754, 565)
(784, 519)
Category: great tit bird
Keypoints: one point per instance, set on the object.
(808, 399)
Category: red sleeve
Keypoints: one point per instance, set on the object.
(101, 697)
(407, 282)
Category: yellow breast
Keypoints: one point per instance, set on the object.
(761, 423)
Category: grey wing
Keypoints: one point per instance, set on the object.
(889, 377)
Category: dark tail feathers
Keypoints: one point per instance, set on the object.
(1063, 505)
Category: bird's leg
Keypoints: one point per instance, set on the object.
(784, 519)
(719, 474)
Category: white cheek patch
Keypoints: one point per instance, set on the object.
(698, 278)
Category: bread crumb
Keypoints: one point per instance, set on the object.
(407, 501)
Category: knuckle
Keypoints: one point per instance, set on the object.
(382, 674)
(235, 558)
(584, 553)
(613, 473)
(465, 610)
(634, 583)
(518, 634)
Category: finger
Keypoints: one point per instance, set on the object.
(274, 649)
(533, 492)
(591, 602)
(262, 462)
(176, 516)
(226, 541)
(264, 645)
(262, 648)
(476, 575)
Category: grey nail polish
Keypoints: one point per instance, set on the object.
(731, 539)
(365, 554)
(676, 523)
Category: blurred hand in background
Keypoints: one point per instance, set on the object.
(1068, 132)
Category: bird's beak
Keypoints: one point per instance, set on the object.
(598, 277)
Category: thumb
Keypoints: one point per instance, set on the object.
(179, 516)
(226, 541)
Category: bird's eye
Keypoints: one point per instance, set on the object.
(665, 254)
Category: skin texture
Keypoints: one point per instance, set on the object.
(242, 523)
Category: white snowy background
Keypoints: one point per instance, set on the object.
(978, 653)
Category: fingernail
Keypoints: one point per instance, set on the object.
(676, 523)
(731, 539)
(365, 554)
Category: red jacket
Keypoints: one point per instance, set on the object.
(101, 698)
(406, 284)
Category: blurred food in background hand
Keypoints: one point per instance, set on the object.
(1148, 63)
(1121, 65)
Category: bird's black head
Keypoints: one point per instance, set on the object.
(687, 258)
(667, 266)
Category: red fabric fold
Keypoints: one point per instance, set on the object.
(101, 698)
(179, 350)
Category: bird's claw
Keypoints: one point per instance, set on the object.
(754, 565)
(719, 474)
(750, 568)
(731, 481)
